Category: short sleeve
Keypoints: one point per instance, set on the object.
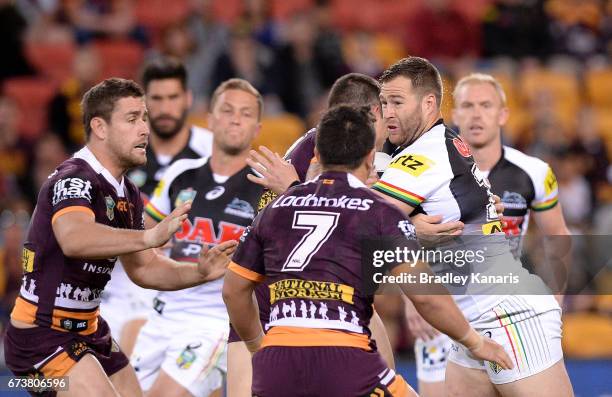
(72, 191)
(301, 154)
(546, 189)
(397, 232)
(412, 178)
(248, 260)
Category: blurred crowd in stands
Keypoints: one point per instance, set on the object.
(553, 58)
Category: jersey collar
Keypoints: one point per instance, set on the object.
(87, 155)
(352, 180)
(399, 149)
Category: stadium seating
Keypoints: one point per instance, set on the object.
(279, 132)
(32, 95)
(53, 60)
(119, 58)
(599, 87)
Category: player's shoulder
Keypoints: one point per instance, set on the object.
(308, 137)
(181, 166)
(201, 140)
(524, 161)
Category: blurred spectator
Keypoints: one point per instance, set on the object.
(13, 224)
(308, 64)
(49, 152)
(102, 19)
(258, 13)
(12, 29)
(245, 58)
(360, 53)
(14, 155)
(575, 27)
(574, 190)
(65, 118)
(515, 28)
(593, 150)
(436, 30)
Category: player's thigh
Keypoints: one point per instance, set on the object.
(87, 378)
(461, 381)
(166, 386)
(149, 352)
(129, 334)
(197, 361)
(552, 382)
(125, 382)
(431, 357)
(239, 370)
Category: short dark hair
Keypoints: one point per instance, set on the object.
(424, 76)
(99, 100)
(345, 135)
(164, 68)
(354, 89)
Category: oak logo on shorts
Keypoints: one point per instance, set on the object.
(495, 367)
(71, 188)
(414, 164)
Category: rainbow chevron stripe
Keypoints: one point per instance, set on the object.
(398, 193)
(154, 212)
(545, 205)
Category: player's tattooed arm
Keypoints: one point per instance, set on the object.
(276, 173)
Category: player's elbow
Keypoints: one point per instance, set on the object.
(70, 246)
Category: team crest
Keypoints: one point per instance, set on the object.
(186, 358)
(495, 367)
(184, 196)
(110, 207)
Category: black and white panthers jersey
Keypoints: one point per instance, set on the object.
(437, 175)
(524, 184)
(222, 209)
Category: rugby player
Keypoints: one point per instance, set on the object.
(433, 172)
(181, 350)
(526, 185)
(277, 175)
(125, 306)
(87, 215)
(304, 243)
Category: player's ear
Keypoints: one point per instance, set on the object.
(189, 99)
(98, 127)
(429, 104)
(504, 114)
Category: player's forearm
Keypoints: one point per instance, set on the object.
(165, 274)
(442, 313)
(97, 241)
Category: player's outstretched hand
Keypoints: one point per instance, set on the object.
(431, 232)
(489, 350)
(276, 173)
(164, 230)
(213, 262)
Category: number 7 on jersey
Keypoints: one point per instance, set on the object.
(320, 226)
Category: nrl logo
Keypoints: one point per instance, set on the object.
(110, 207)
(495, 367)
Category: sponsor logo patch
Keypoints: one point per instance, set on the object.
(186, 358)
(462, 147)
(184, 196)
(408, 229)
(110, 207)
(71, 188)
(550, 182)
(215, 193)
(414, 164)
(27, 260)
(309, 289)
(240, 208)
